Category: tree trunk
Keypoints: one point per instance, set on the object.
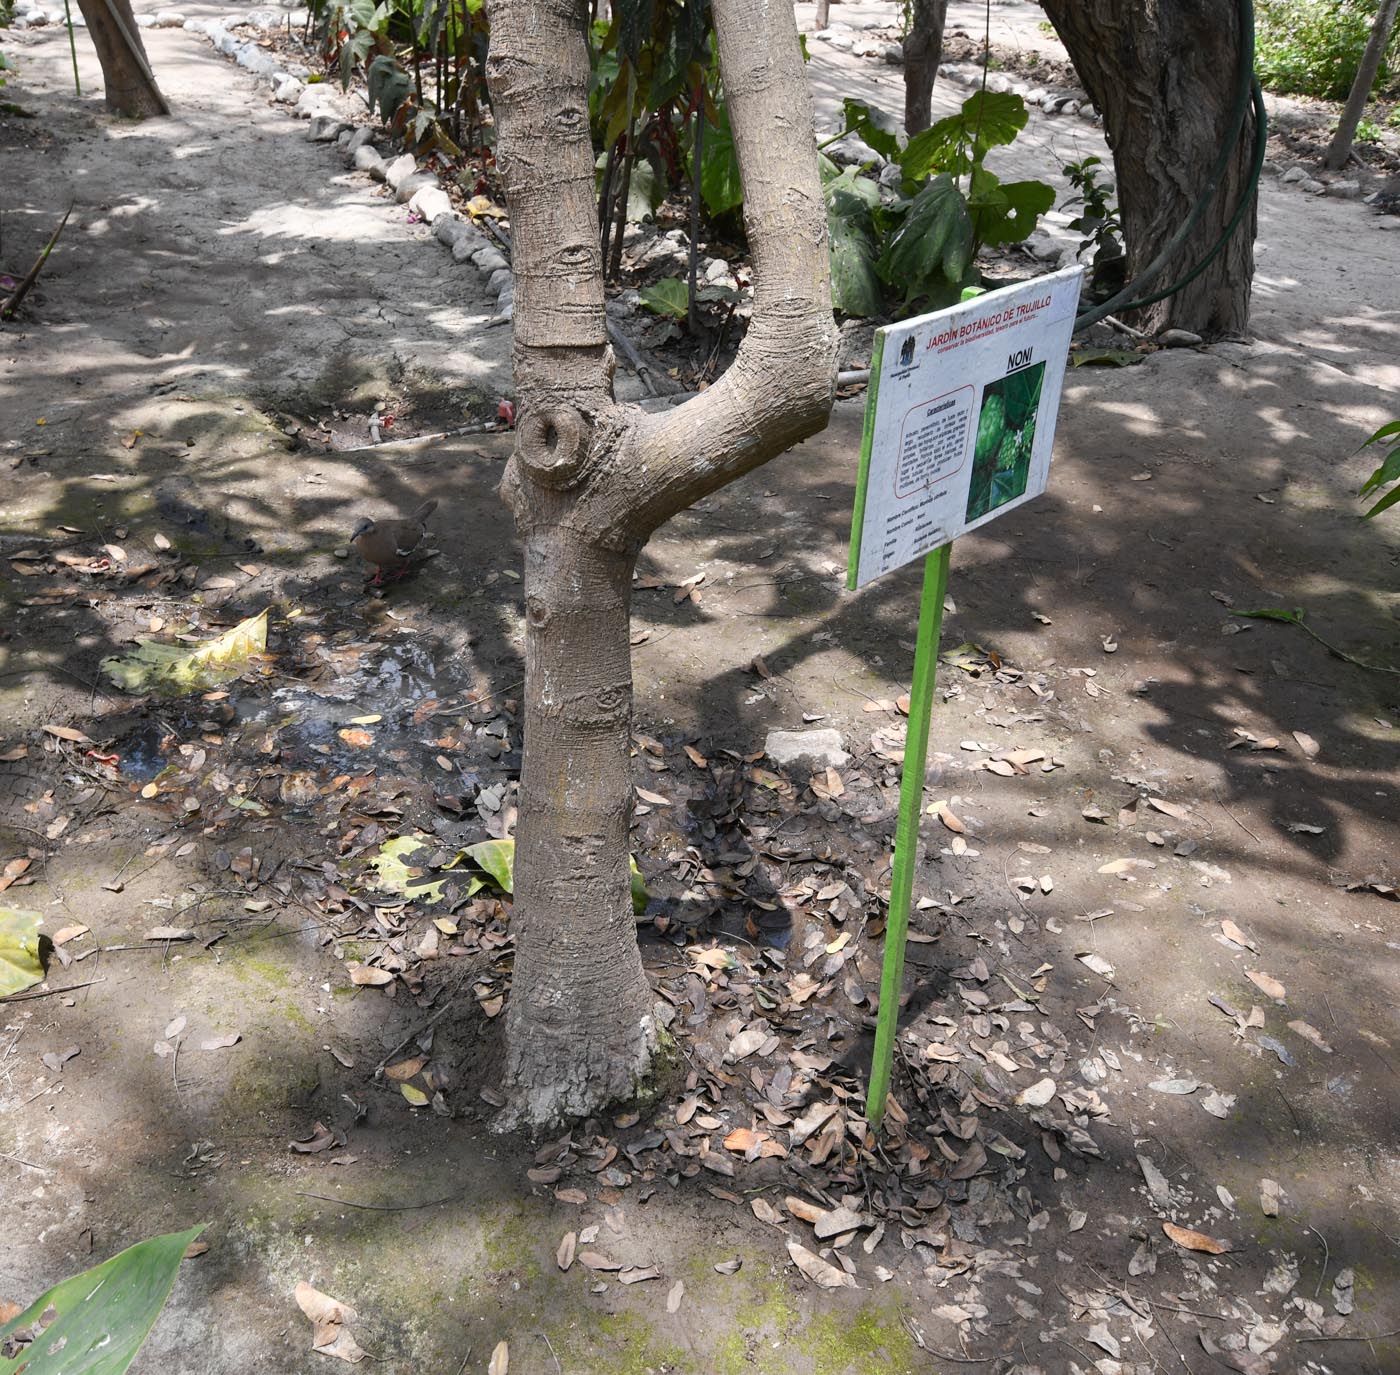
(1339, 150)
(128, 84)
(823, 15)
(1165, 78)
(923, 46)
(589, 482)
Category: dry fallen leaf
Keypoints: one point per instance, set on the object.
(222, 1042)
(947, 816)
(823, 1275)
(500, 1360)
(1306, 743)
(564, 1257)
(1194, 1241)
(1037, 1095)
(1233, 933)
(66, 733)
(1310, 1033)
(673, 1299)
(1266, 983)
(363, 975)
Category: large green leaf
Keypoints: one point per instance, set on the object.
(855, 285)
(176, 669)
(102, 1315)
(914, 254)
(669, 296)
(957, 143)
(497, 859)
(20, 965)
(874, 126)
(397, 873)
(720, 187)
(1006, 212)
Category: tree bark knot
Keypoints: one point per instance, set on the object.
(552, 445)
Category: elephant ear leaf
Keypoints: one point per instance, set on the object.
(20, 965)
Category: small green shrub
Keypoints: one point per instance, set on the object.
(1313, 47)
(1389, 470)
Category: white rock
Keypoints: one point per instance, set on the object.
(429, 202)
(400, 169)
(717, 271)
(363, 135)
(145, 21)
(893, 54)
(366, 159)
(499, 280)
(1178, 339)
(325, 129)
(810, 749)
(169, 19)
(411, 186)
(287, 91)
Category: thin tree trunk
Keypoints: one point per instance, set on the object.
(590, 480)
(697, 154)
(923, 47)
(1164, 77)
(1339, 150)
(823, 14)
(128, 87)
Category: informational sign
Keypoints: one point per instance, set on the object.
(959, 419)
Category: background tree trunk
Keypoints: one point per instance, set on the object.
(823, 15)
(590, 480)
(128, 89)
(1339, 150)
(1163, 75)
(923, 47)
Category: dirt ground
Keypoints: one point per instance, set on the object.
(222, 287)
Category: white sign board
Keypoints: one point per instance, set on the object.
(959, 419)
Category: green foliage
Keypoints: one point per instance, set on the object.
(1097, 223)
(959, 143)
(924, 244)
(720, 187)
(1313, 47)
(20, 965)
(669, 296)
(927, 256)
(850, 202)
(1389, 470)
(1367, 132)
(100, 1317)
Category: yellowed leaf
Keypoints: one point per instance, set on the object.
(1267, 984)
(1194, 1241)
(366, 976)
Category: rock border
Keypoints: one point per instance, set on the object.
(331, 120)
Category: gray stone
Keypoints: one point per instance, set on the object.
(363, 135)
(1387, 222)
(447, 229)
(325, 129)
(617, 310)
(504, 314)
(1293, 174)
(1178, 339)
(717, 271)
(463, 249)
(891, 175)
(342, 139)
(429, 202)
(808, 749)
(507, 297)
(1313, 186)
(1349, 189)
(893, 54)
(488, 259)
(402, 166)
(367, 159)
(411, 186)
(499, 280)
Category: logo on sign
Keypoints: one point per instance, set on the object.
(906, 352)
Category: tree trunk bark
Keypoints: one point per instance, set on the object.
(1339, 150)
(128, 85)
(923, 47)
(1164, 77)
(823, 15)
(589, 482)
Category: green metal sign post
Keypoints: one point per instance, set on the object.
(906, 843)
(959, 424)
